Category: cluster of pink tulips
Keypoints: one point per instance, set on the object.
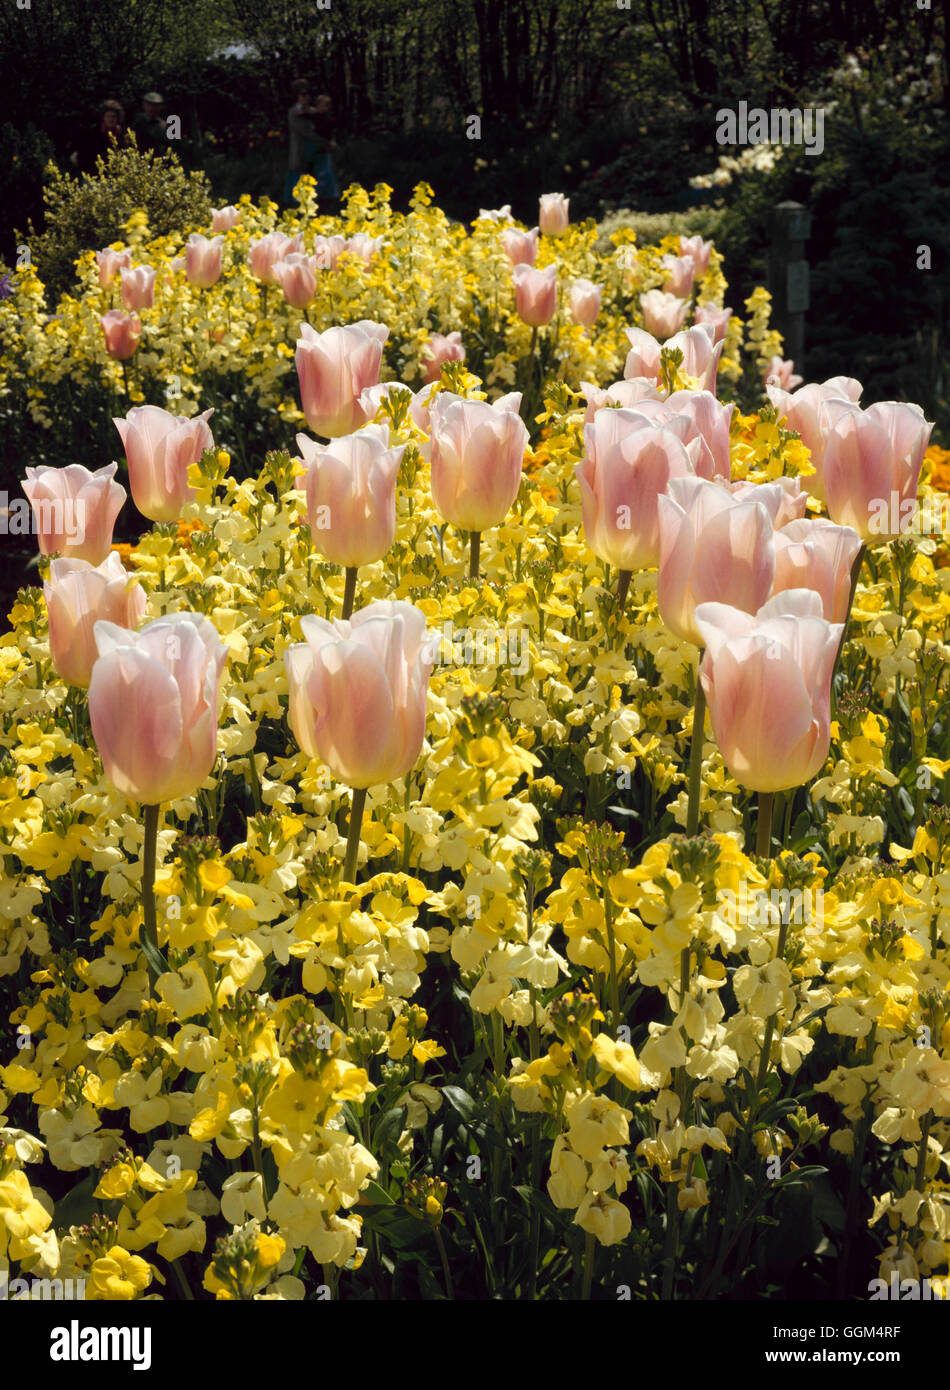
(741, 571)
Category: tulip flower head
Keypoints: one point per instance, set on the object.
(553, 214)
(203, 260)
(871, 465)
(358, 691)
(521, 248)
(442, 348)
(585, 302)
(767, 681)
(351, 495)
(817, 555)
(628, 464)
(153, 705)
(713, 549)
(160, 448)
(78, 595)
(334, 368)
(74, 510)
(535, 294)
(477, 451)
(122, 333)
(138, 287)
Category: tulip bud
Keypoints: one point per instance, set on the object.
(169, 675)
(122, 333)
(477, 453)
(441, 349)
(74, 511)
(77, 596)
(712, 549)
(138, 287)
(160, 448)
(333, 369)
(585, 302)
(351, 495)
(767, 680)
(535, 294)
(552, 214)
(203, 260)
(357, 691)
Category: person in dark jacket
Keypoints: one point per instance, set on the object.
(91, 144)
(148, 126)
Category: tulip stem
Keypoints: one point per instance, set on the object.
(696, 757)
(474, 554)
(349, 591)
(763, 834)
(623, 586)
(149, 925)
(353, 834)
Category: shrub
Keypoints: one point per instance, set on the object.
(90, 212)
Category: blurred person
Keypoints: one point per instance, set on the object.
(91, 144)
(311, 129)
(148, 126)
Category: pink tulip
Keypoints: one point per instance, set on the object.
(203, 260)
(783, 499)
(623, 393)
(496, 214)
(441, 349)
(366, 248)
(77, 596)
(628, 463)
(521, 248)
(817, 555)
(160, 448)
(358, 691)
(225, 219)
(153, 705)
(803, 412)
(713, 549)
(701, 354)
(327, 250)
(663, 314)
(334, 368)
(373, 396)
(264, 254)
(680, 274)
(871, 465)
(122, 333)
(767, 681)
(477, 452)
(643, 359)
(699, 250)
(535, 294)
(585, 302)
(781, 373)
(110, 262)
(552, 214)
(709, 421)
(351, 495)
(719, 318)
(74, 511)
(297, 277)
(138, 287)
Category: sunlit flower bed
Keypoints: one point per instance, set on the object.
(470, 945)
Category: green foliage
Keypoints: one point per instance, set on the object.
(90, 212)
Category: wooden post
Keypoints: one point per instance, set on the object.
(788, 277)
